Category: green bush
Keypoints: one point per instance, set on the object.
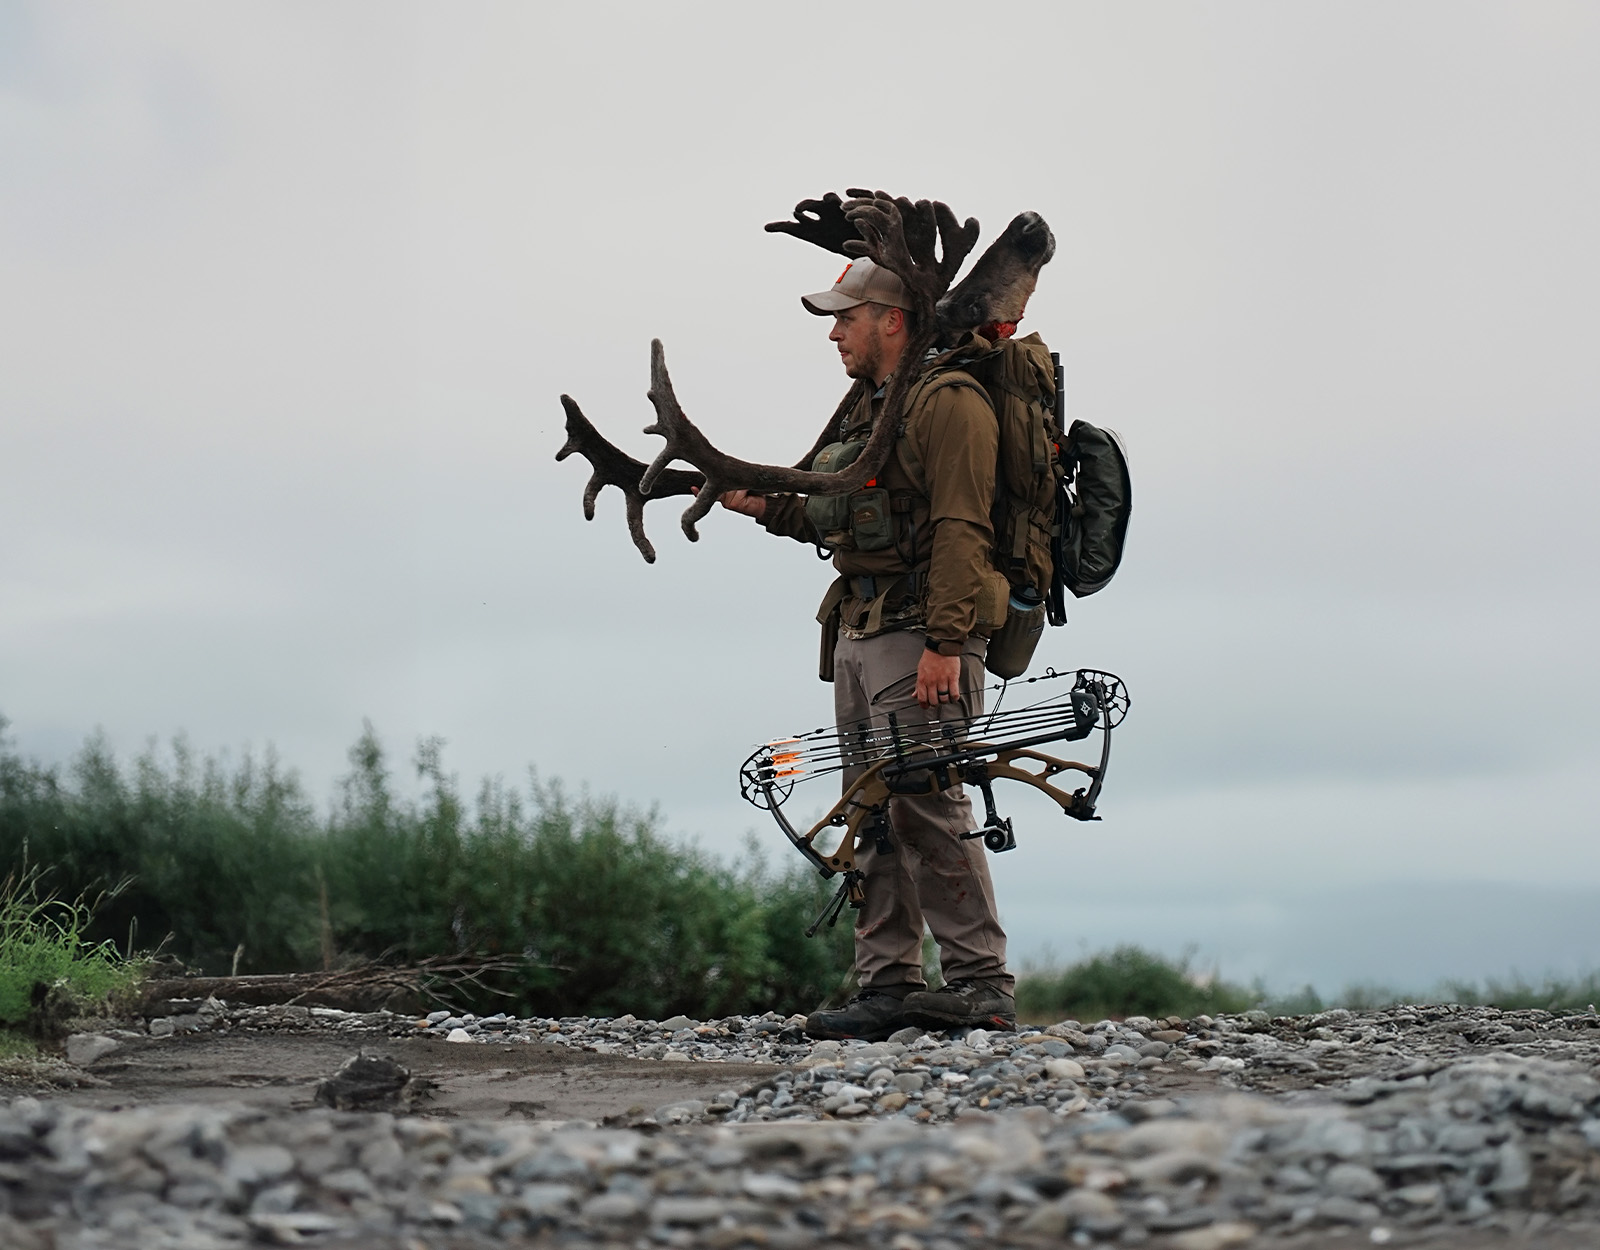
(234, 868)
(1127, 981)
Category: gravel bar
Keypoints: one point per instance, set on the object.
(1389, 1127)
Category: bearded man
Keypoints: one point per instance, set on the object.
(905, 626)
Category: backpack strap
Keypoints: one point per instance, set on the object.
(938, 379)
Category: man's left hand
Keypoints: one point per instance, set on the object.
(938, 679)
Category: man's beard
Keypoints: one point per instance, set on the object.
(866, 362)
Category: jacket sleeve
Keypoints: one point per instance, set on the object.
(960, 441)
(786, 517)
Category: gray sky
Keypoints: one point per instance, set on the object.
(288, 293)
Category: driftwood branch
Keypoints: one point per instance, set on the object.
(365, 987)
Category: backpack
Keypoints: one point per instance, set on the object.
(1061, 504)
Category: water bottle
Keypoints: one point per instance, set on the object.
(1013, 644)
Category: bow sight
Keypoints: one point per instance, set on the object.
(881, 760)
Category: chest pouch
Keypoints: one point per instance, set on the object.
(831, 514)
(871, 524)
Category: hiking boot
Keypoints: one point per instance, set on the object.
(871, 1016)
(971, 1004)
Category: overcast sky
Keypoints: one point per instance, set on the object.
(288, 292)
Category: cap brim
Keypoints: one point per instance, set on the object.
(826, 303)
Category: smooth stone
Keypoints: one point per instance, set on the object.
(84, 1048)
(687, 1211)
(458, 1035)
(893, 1101)
(291, 1226)
(546, 1199)
(1216, 1237)
(767, 1186)
(1346, 1211)
(1064, 1070)
(1513, 1171)
(347, 1182)
(1046, 1220)
(258, 1165)
(1351, 1180)
(678, 1022)
(276, 1199)
(612, 1207)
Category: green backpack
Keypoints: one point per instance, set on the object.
(1061, 504)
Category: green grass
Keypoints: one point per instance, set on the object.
(42, 943)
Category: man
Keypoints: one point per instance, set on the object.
(906, 624)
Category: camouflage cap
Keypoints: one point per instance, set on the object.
(862, 282)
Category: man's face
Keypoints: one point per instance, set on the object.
(858, 334)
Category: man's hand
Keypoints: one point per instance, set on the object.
(938, 679)
(744, 502)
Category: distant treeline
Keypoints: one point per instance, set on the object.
(217, 862)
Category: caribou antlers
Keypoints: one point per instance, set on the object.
(615, 467)
(882, 223)
(923, 243)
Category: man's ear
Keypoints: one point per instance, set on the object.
(894, 321)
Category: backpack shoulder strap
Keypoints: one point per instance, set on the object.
(934, 380)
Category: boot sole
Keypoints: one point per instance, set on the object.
(935, 1020)
(843, 1035)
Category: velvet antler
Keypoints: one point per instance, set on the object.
(881, 223)
(615, 467)
(924, 244)
(821, 222)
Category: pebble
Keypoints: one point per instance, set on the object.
(1379, 1122)
(84, 1049)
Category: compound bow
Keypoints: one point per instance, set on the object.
(883, 760)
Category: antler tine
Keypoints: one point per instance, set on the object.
(724, 472)
(684, 441)
(956, 242)
(819, 221)
(614, 467)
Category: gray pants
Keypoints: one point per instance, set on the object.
(930, 873)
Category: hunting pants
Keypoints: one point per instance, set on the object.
(930, 873)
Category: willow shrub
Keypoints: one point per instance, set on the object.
(233, 866)
(1127, 981)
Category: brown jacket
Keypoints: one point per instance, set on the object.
(941, 481)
